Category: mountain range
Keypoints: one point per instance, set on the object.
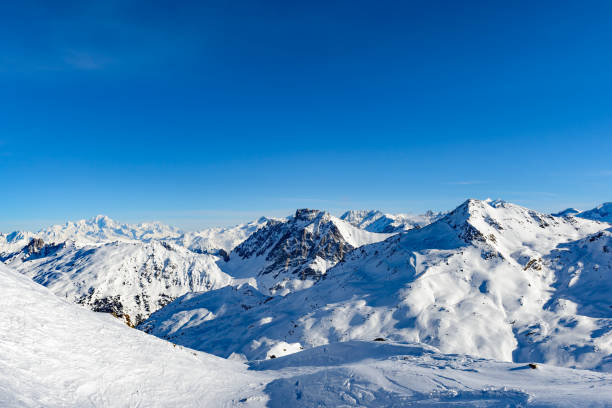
(486, 284)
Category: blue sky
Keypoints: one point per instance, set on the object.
(213, 113)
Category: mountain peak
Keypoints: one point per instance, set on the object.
(101, 220)
(306, 214)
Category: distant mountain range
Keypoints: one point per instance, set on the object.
(376, 221)
(490, 279)
(601, 213)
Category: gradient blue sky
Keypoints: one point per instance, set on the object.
(212, 113)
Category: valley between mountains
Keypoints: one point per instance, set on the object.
(364, 309)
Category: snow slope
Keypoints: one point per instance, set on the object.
(376, 221)
(382, 374)
(130, 270)
(485, 280)
(55, 354)
(130, 279)
(292, 254)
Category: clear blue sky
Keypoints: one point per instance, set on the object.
(216, 112)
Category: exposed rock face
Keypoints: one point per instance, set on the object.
(299, 249)
(292, 246)
(35, 245)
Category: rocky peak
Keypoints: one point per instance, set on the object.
(305, 214)
(296, 249)
(35, 245)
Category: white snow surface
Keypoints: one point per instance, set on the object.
(55, 354)
(602, 212)
(377, 221)
(490, 279)
(131, 270)
(102, 229)
(131, 279)
(213, 239)
(99, 229)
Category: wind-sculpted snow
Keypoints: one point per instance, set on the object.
(55, 354)
(479, 281)
(292, 254)
(379, 374)
(376, 221)
(130, 279)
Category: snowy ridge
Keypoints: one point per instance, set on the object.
(129, 270)
(602, 212)
(483, 280)
(102, 229)
(129, 279)
(376, 221)
(567, 212)
(214, 240)
(99, 229)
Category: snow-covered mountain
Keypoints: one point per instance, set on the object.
(55, 354)
(220, 241)
(129, 279)
(96, 230)
(376, 221)
(490, 279)
(602, 212)
(567, 212)
(129, 270)
(102, 229)
(291, 254)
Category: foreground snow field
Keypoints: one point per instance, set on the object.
(56, 354)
